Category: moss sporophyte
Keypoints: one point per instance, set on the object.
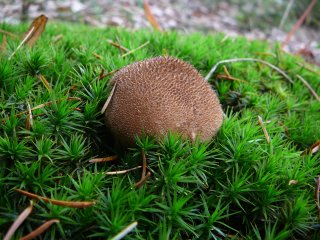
(254, 180)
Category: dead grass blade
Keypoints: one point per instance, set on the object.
(109, 99)
(133, 50)
(298, 23)
(122, 171)
(152, 20)
(105, 159)
(125, 231)
(40, 229)
(20, 219)
(56, 202)
(45, 82)
(264, 129)
(214, 68)
(35, 30)
(309, 88)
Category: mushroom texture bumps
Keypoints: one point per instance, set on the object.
(159, 95)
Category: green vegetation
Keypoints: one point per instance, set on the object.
(235, 187)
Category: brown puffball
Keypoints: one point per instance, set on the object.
(159, 95)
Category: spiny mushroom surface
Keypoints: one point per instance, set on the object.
(159, 95)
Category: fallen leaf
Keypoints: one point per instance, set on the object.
(35, 30)
(150, 16)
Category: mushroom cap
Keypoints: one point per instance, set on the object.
(159, 95)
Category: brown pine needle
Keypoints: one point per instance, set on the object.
(40, 229)
(97, 56)
(104, 159)
(56, 202)
(141, 182)
(122, 171)
(133, 50)
(101, 74)
(19, 220)
(264, 129)
(45, 82)
(144, 177)
(231, 78)
(298, 23)
(152, 20)
(226, 71)
(313, 92)
(117, 45)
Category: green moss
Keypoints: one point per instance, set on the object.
(237, 185)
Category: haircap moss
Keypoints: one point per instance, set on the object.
(159, 95)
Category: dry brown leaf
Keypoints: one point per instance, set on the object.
(19, 220)
(150, 16)
(40, 229)
(56, 202)
(35, 30)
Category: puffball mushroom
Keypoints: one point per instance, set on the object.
(159, 95)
